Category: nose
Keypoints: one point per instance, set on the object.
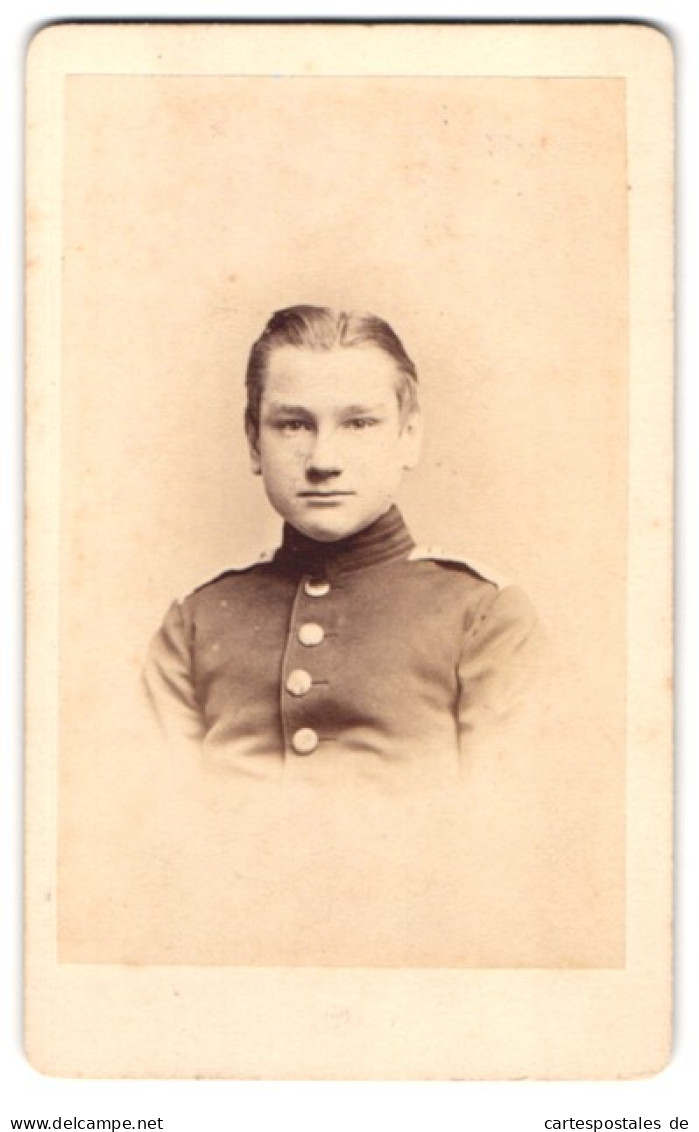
(323, 459)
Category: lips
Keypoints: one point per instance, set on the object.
(324, 494)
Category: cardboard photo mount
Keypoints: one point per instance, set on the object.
(167, 168)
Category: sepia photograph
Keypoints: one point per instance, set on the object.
(349, 519)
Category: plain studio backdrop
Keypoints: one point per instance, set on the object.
(485, 219)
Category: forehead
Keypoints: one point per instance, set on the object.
(346, 374)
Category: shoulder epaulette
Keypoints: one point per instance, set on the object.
(436, 554)
(237, 568)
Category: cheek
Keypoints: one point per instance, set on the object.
(387, 455)
(282, 455)
(381, 470)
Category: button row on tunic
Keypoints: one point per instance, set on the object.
(298, 682)
(315, 587)
(310, 633)
(305, 740)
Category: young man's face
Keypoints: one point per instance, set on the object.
(333, 443)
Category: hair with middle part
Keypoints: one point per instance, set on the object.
(321, 328)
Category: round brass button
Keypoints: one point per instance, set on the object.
(314, 587)
(299, 682)
(311, 634)
(304, 740)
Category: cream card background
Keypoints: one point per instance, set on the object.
(153, 316)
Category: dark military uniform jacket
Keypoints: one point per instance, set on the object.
(353, 660)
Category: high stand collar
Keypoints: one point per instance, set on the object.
(385, 540)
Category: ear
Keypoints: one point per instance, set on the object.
(254, 449)
(412, 440)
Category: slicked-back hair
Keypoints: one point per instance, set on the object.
(321, 328)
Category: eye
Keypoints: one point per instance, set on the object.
(291, 425)
(360, 423)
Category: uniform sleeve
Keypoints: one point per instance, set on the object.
(500, 660)
(168, 679)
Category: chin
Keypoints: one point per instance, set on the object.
(327, 532)
(328, 527)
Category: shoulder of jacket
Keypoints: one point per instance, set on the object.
(242, 567)
(424, 553)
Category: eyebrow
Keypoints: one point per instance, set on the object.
(364, 410)
(278, 407)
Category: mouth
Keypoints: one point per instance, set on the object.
(324, 494)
